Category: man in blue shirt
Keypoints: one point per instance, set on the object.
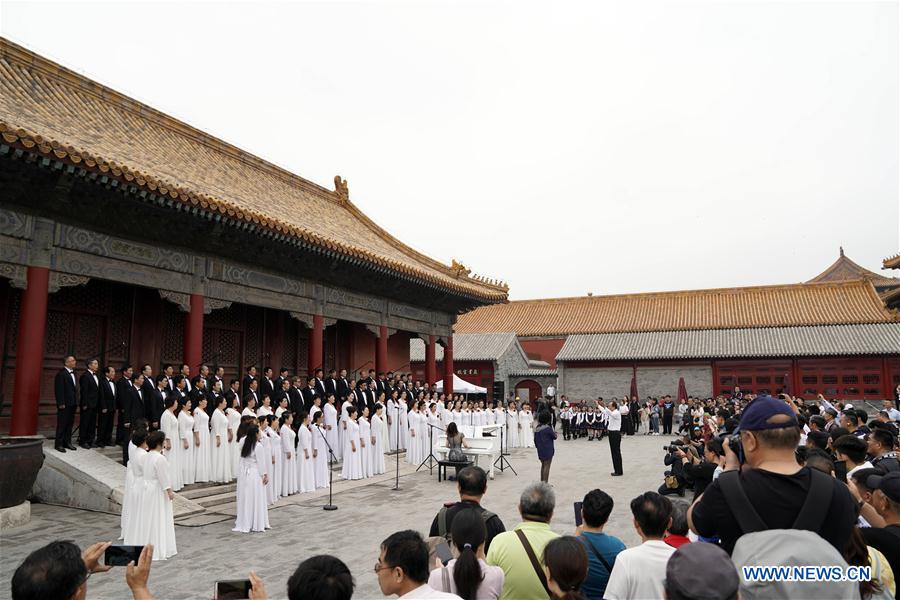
(602, 549)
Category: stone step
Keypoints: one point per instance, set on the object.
(202, 490)
(212, 502)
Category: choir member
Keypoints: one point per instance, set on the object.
(157, 402)
(320, 452)
(252, 502)
(457, 414)
(89, 388)
(331, 386)
(393, 406)
(308, 393)
(220, 449)
(422, 431)
(306, 462)
(412, 451)
(490, 417)
(186, 434)
(249, 406)
(296, 396)
(352, 465)
(168, 424)
(376, 454)
(267, 460)
(320, 384)
(343, 386)
(234, 395)
(316, 408)
(365, 442)
(266, 385)
(282, 407)
(289, 484)
(234, 449)
(134, 483)
(277, 454)
(342, 427)
(512, 426)
(330, 424)
(250, 382)
(265, 407)
(107, 407)
(404, 422)
(526, 423)
(215, 392)
(156, 500)
(202, 449)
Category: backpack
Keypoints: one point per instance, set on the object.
(442, 521)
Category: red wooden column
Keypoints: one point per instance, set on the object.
(381, 349)
(316, 340)
(30, 353)
(430, 365)
(193, 333)
(448, 366)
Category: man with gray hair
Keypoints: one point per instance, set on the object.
(517, 552)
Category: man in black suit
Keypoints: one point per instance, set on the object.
(253, 392)
(186, 375)
(107, 407)
(149, 384)
(320, 384)
(90, 399)
(371, 397)
(309, 393)
(351, 392)
(123, 399)
(204, 375)
(218, 377)
(135, 409)
(234, 391)
(156, 402)
(331, 383)
(296, 396)
(283, 375)
(380, 384)
(267, 385)
(370, 380)
(66, 404)
(245, 383)
(343, 386)
(169, 372)
(281, 392)
(360, 394)
(198, 393)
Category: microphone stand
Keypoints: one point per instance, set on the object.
(396, 487)
(331, 458)
(504, 462)
(431, 458)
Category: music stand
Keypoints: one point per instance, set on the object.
(504, 463)
(431, 458)
(331, 458)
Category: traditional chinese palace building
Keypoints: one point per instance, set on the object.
(838, 334)
(131, 237)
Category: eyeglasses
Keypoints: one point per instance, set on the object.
(379, 567)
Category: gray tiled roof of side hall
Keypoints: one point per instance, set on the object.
(467, 346)
(824, 340)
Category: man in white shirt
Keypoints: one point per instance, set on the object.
(402, 568)
(614, 428)
(639, 572)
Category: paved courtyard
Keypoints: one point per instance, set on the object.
(367, 514)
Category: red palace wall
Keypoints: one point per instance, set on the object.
(544, 349)
(118, 324)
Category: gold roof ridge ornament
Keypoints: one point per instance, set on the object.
(459, 269)
(341, 189)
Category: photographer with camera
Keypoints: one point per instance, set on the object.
(771, 491)
(675, 479)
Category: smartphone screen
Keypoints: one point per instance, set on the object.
(840, 470)
(578, 514)
(443, 552)
(120, 556)
(233, 589)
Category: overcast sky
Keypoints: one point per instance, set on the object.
(566, 148)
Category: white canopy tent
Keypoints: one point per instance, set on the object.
(461, 386)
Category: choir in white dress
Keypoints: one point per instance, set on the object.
(306, 464)
(220, 449)
(147, 514)
(351, 467)
(202, 449)
(252, 500)
(289, 451)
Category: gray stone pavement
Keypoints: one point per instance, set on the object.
(366, 515)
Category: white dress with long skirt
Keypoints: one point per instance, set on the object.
(331, 435)
(278, 455)
(365, 442)
(158, 527)
(188, 457)
(168, 424)
(289, 473)
(376, 455)
(392, 416)
(306, 465)
(404, 426)
(219, 449)
(526, 433)
(412, 450)
(320, 461)
(266, 465)
(234, 448)
(342, 431)
(352, 465)
(422, 436)
(252, 501)
(203, 452)
(134, 485)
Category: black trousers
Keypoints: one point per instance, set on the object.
(667, 423)
(87, 426)
(105, 427)
(65, 419)
(125, 445)
(565, 428)
(120, 428)
(615, 450)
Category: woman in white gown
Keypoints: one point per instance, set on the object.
(306, 466)
(412, 449)
(447, 415)
(234, 448)
(266, 460)
(320, 451)
(265, 407)
(277, 455)
(512, 426)
(134, 482)
(288, 438)
(202, 448)
(404, 421)
(422, 432)
(352, 465)
(330, 415)
(158, 526)
(168, 424)
(365, 442)
(457, 415)
(252, 501)
(342, 429)
(393, 404)
(526, 422)
(186, 433)
(489, 416)
(376, 455)
(220, 450)
(250, 409)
